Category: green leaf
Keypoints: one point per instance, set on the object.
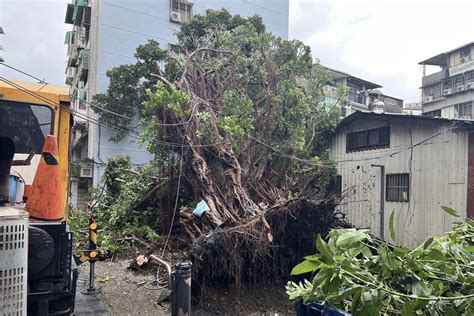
(449, 311)
(356, 302)
(470, 248)
(322, 276)
(333, 285)
(435, 254)
(347, 293)
(366, 252)
(408, 310)
(305, 267)
(324, 249)
(427, 243)
(450, 211)
(350, 239)
(393, 232)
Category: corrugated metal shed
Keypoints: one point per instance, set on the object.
(433, 151)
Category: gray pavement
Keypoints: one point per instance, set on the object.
(88, 304)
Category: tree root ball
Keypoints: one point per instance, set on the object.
(244, 254)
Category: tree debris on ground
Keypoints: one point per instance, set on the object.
(357, 273)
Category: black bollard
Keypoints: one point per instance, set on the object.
(92, 254)
(182, 289)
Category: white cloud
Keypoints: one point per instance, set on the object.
(34, 37)
(383, 41)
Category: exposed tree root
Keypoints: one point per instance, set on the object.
(247, 253)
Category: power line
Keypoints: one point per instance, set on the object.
(23, 72)
(180, 145)
(93, 104)
(98, 123)
(74, 112)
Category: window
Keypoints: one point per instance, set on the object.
(435, 113)
(389, 101)
(464, 110)
(181, 11)
(469, 77)
(459, 81)
(26, 124)
(70, 37)
(370, 139)
(398, 187)
(466, 53)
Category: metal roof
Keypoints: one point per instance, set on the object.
(366, 115)
(440, 59)
(336, 74)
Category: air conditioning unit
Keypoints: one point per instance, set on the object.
(86, 172)
(175, 17)
(429, 98)
(70, 74)
(470, 85)
(72, 50)
(448, 91)
(460, 88)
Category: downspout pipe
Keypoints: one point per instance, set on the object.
(382, 199)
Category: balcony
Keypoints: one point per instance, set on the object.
(464, 67)
(434, 78)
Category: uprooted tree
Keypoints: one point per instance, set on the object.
(235, 117)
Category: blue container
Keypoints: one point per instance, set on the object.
(12, 184)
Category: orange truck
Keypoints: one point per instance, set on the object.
(35, 129)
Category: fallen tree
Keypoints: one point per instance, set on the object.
(237, 119)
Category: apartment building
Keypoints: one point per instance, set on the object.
(412, 108)
(360, 95)
(449, 92)
(105, 34)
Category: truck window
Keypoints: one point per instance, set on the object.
(26, 124)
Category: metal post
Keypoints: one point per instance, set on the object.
(7, 151)
(93, 254)
(182, 289)
(382, 199)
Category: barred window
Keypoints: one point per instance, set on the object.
(181, 11)
(464, 110)
(370, 139)
(398, 187)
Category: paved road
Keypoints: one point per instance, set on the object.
(88, 304)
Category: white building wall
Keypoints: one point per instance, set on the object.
(438, 169)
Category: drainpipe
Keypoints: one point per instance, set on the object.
(382, 199)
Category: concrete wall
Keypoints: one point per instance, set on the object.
(121, 25)
(438, 170)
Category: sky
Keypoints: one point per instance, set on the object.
(380, 41)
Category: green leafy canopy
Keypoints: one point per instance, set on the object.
(356, 273)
